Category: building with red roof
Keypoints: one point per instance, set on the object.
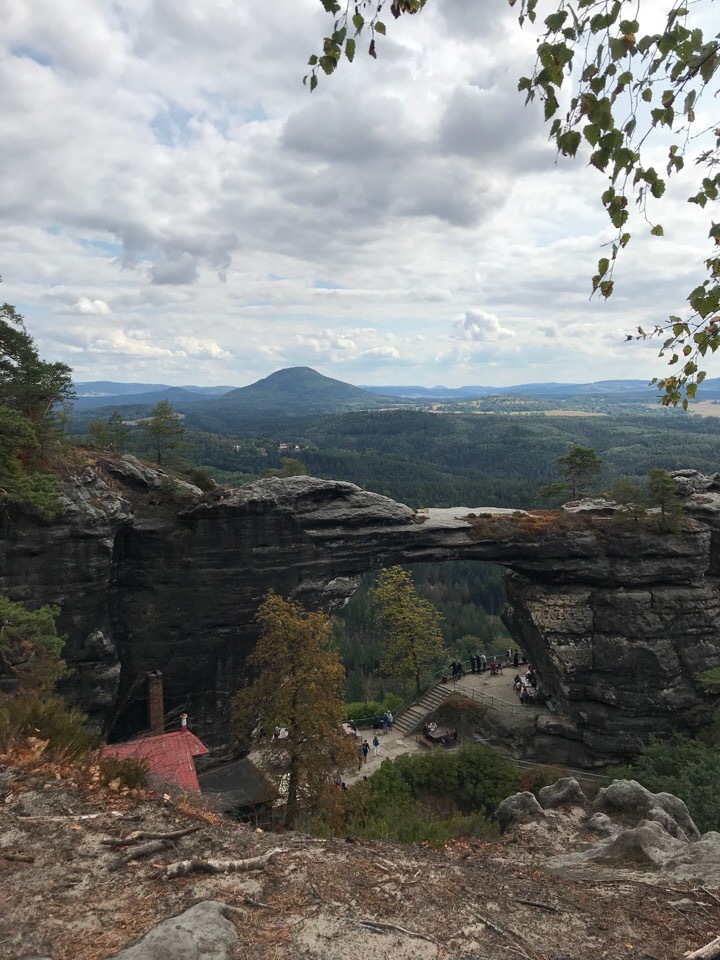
(169, 756)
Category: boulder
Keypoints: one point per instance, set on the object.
(630, 800)
(566, 791)
(203, 931)
(520, 808)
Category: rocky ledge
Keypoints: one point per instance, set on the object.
(617, 619)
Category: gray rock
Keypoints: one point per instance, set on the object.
(598, 506)
(566, 791)
(201, 933)
(646, 847)
(629, 799)
(602, 824)
(132, 472)
(520, 808)
(698, 862)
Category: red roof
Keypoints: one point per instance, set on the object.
(169, 756)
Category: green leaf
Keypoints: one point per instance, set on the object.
(358, 21)
(380, 27)
(603, 266)
(592, 133)
(350, 49)
(313, 82)
(657, 231)
(647, 95)
(555, 21)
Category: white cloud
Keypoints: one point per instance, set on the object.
(84, 305)
(201, 348)
(479, 325)
(176, 205)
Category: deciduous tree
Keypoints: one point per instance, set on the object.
(297, 684)
(414, 641)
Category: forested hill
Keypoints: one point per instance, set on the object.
(426, 459)
(292, 392)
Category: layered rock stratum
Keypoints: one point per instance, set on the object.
(618, 618)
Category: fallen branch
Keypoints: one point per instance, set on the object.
(74, 816)
(185, 867)
(18, 857)
(709, 952)
(710, 894)
(137, 835)
(393, 928)
(155, 847)
(508, 934)
(251, 902)
(540, 906)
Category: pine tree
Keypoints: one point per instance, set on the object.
(663, 493)
(163, 430)
(414, 642)
(298, 685)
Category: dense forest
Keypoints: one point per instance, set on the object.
(426, 459)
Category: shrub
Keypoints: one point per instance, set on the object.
(31, 713)
(200, 478)
(364, 709)
(131, 773)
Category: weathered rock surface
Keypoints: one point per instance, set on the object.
(634, 802)
(520, 808)
(566, 792)
(203, 931)
(617, 621)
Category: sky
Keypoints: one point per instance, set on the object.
(178, 208)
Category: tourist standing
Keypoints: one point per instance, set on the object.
(376, 746)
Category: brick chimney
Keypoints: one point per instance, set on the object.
(156, 703)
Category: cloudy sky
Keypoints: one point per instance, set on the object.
(176, 207)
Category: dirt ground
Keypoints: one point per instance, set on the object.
(67, 896)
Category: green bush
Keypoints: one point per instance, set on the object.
(32, 713)
(200, 478)
(686, 768)
(362, 709)
(427, 798)
(131, 773)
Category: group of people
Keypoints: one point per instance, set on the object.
(363, 751)
(384, 722)
(525, 689)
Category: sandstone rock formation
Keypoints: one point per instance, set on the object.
(616, 619)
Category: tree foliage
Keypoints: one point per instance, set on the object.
(632, 88)
(29, 645)
(413, 639)
(164, 431)
(578, 469)
(27, 383)
(112, 433)
(31, 393)
(298, 684)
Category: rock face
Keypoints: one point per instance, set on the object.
(616, 620)
(202, 931)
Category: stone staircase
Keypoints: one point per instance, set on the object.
(410, 719)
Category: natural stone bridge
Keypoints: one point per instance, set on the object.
(616, 619)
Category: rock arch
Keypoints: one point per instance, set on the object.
(617, 620)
